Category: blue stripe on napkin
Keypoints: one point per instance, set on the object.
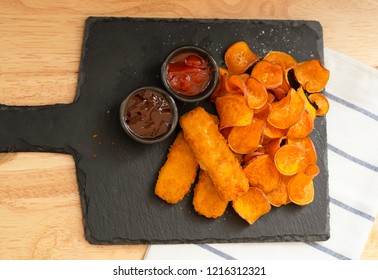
(352, 210)
(352, 106)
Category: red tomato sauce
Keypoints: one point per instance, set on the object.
(189, 74)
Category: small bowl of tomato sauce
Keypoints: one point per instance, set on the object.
(149, 115)
(190, 74)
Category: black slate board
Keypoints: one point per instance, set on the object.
(116, 175)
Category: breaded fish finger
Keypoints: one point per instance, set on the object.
(206, 200)
(213, 154)
(178, 172)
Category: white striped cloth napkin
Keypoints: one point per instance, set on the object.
(352, 125)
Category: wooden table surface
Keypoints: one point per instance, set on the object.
(40, 47)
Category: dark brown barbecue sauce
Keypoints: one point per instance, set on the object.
(148, 114)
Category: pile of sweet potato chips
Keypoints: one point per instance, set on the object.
(268, 122)
(266, 110)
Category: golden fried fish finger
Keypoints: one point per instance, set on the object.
(178, 172)
(213, 154)
(206, 200)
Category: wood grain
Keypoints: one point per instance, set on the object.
(40, 47)
(40, 212)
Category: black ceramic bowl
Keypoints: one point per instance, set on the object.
(148, 115)
(190, 60)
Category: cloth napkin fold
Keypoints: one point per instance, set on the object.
(352, 125)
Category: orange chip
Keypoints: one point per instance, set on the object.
(301, 189)
(321, 102)
(252, 155)
(244, 77)
(264, 111)
(309, 147)
(274, 132)
(311, 75)
(251, 205)
(290, 159)
(244, 139)
(262, 173)
(312, 170)
(279, 196)
(280, 92)
(308, 105)
(272, 147)
(281, 58)
(225, 88)
(233, 111)
(302, 128)
(287, 111)
(236, 83)
(223, 72)
(239, 57)
(255, 93)
(222, 81)
(206, 199)
(268, 73)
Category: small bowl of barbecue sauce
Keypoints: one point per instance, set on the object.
(149, 115)
(190, 74)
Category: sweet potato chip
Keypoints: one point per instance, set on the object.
(268, 73)
(279, 196)
(244, 77)
(263, 112)
(233, 111)
(239, 57)
(321, 103)
(262, 173)
(309, 147)
(303, 127)
(273, 132)
(312, 170)
(223, 72)
(206, 200)
(222, 82)
(281, 91)
(283, 59)
(272, 147)
(236, 83)
(301, 189)
(251, 205)
(244, 139)
(308, 105)
(255, 93)
(252, 155)
(311, 75)
(287, 111)
(290, 159)
(266, 108)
